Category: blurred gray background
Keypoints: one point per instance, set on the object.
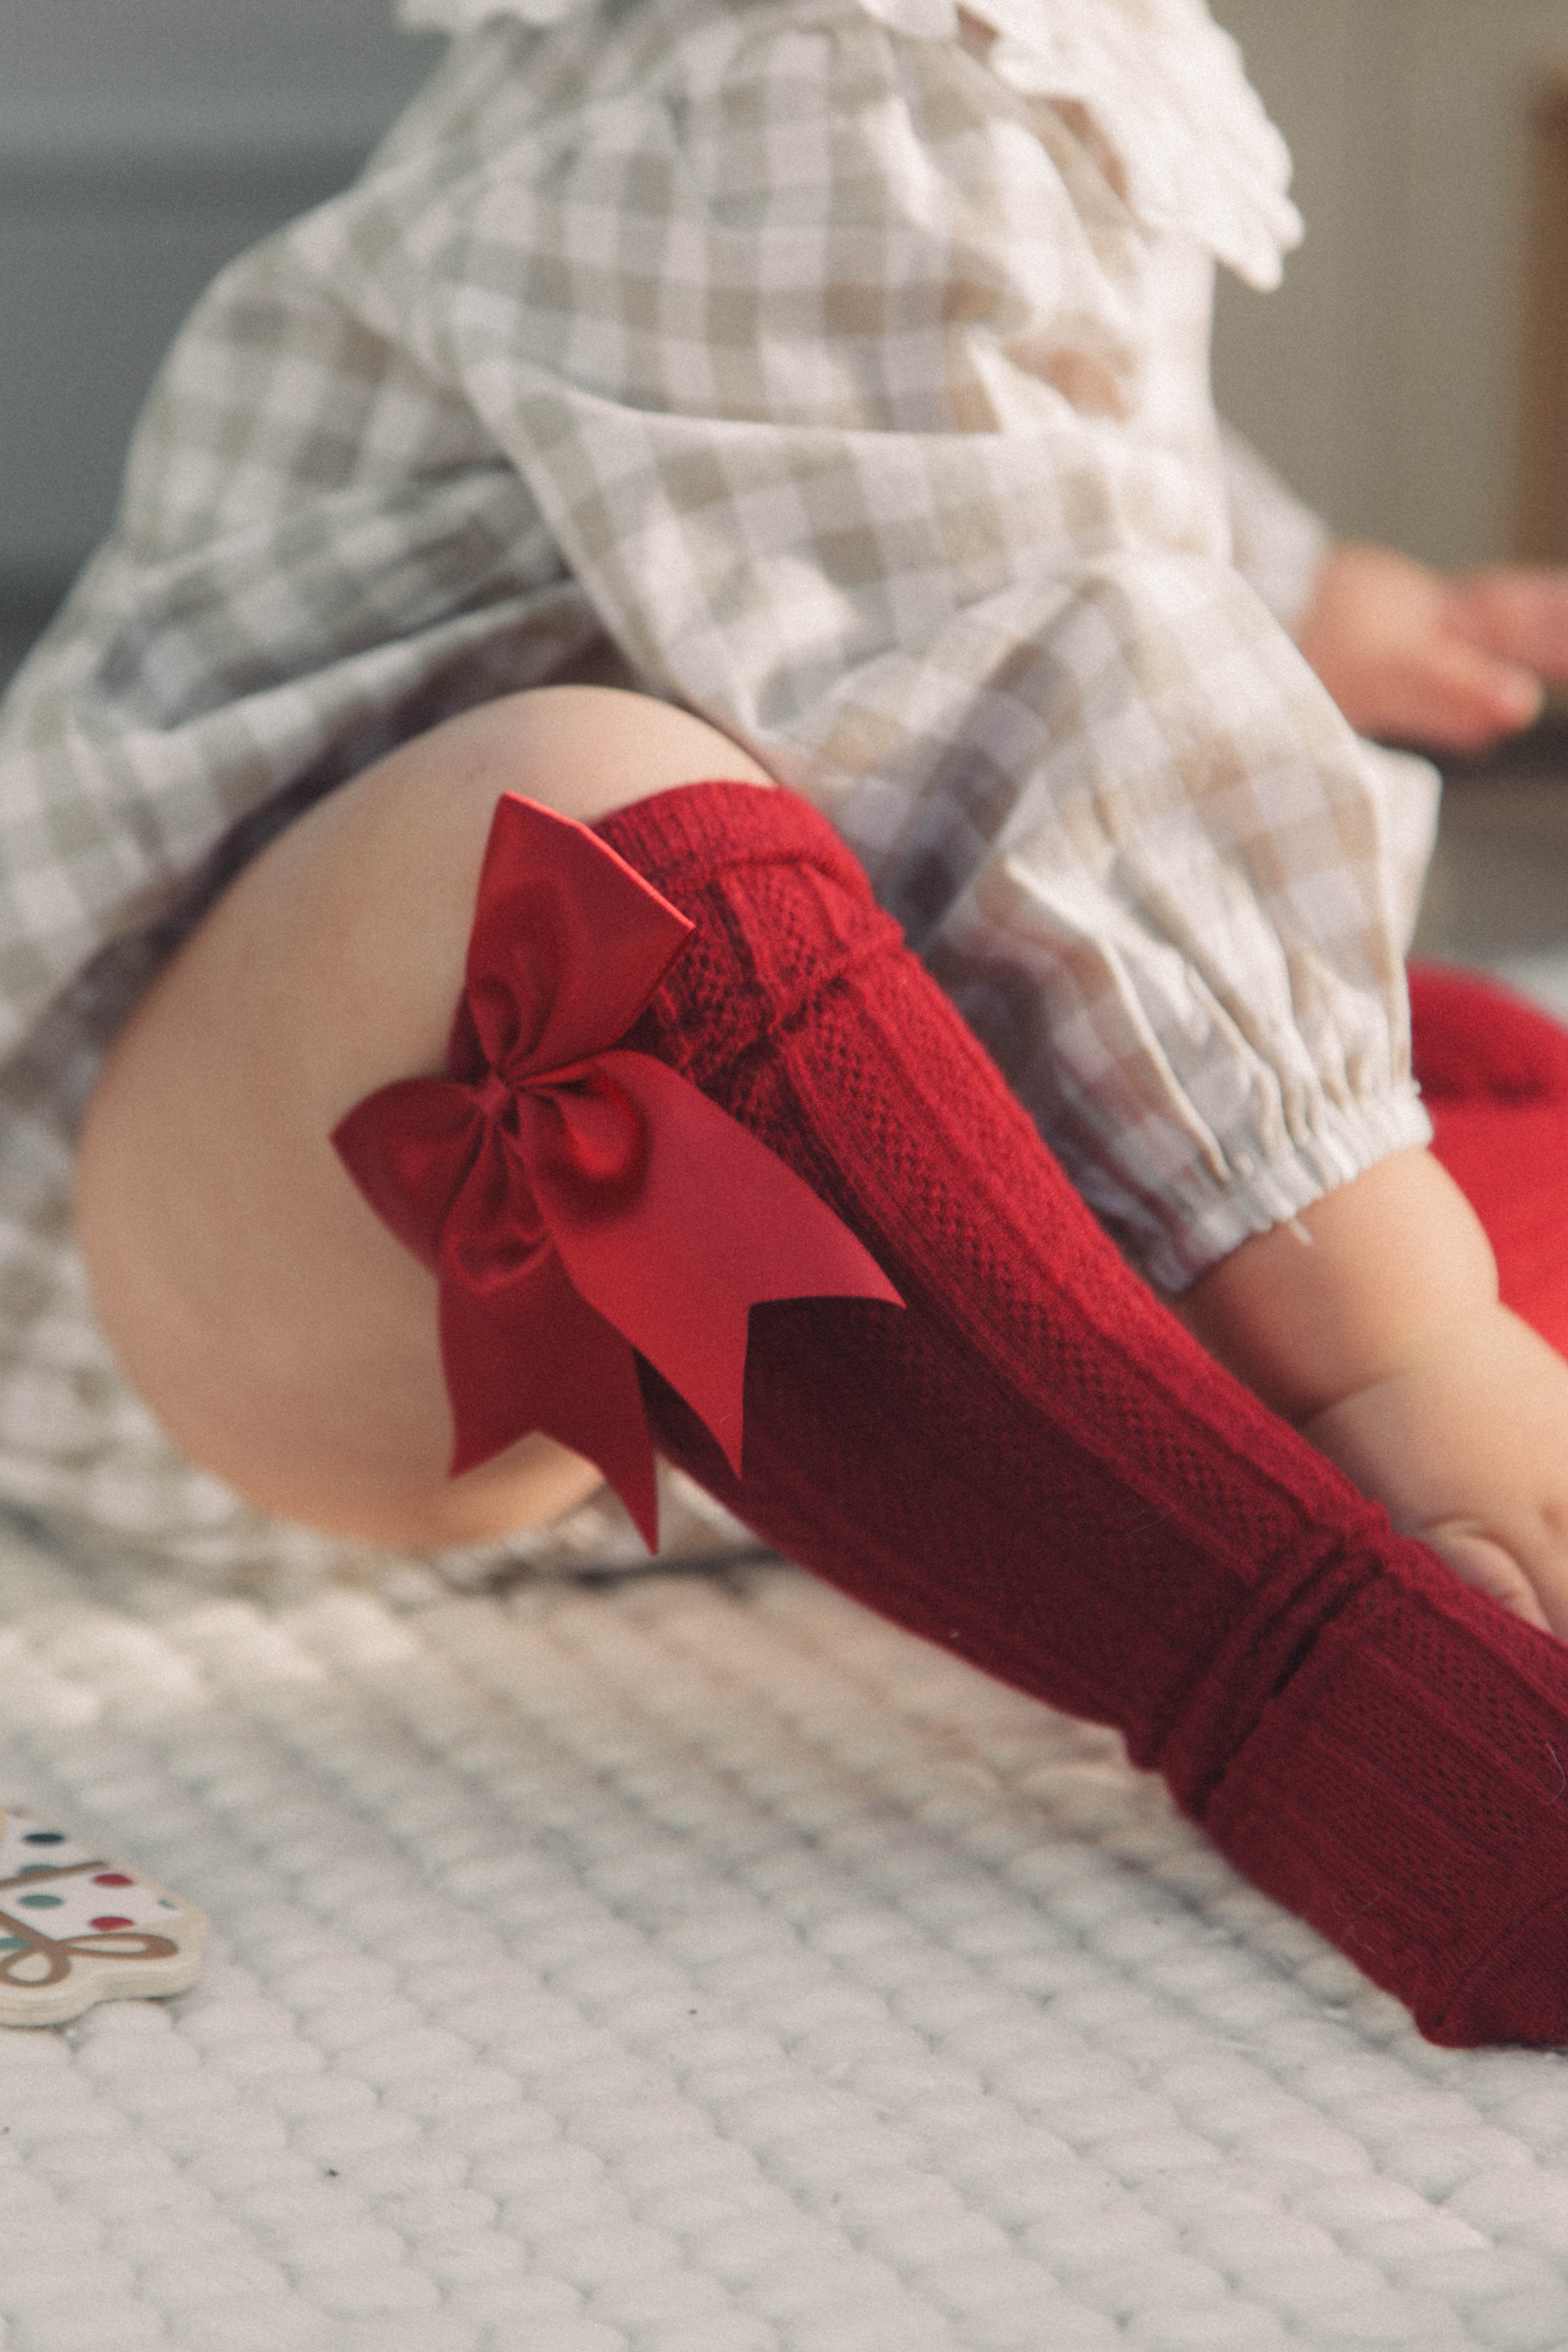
(1385, 374)
(142, 142)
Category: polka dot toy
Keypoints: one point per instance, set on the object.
(77, 1928)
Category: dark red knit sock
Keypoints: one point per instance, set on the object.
(1034, 1467)
(1494, 1073)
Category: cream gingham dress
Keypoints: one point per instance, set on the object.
(839, 369)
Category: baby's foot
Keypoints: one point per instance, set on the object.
(1467, 1446)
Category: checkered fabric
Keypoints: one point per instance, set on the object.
(840, 372)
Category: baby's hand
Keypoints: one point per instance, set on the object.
(1467, 1449)
(1384, 1342)
(1417, 657)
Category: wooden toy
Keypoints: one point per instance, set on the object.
(77, 1928)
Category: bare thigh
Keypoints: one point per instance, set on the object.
(280, 1335)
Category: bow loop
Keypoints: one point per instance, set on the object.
(569, 944)
(576, 1201)
(411, 1148)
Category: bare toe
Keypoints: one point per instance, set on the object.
(1478, 1559)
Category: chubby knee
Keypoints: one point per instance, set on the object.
(586, 750)
(402, 845)
(282, 1336)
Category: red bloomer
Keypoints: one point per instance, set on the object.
(1027, 1460)
(1494, 1073)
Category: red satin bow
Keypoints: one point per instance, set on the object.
(576, 1201)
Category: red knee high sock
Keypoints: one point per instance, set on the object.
(1034, 1467)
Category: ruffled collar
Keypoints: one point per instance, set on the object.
(1165, 88)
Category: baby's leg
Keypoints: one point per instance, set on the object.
(1386, 1343)
(1435, 1377)
(280, 1334)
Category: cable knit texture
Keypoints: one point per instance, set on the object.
(1035, 1466)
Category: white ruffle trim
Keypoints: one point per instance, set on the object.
(1166, 86)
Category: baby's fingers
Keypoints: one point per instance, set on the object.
(1461, 698)
(1478, 1559)
(1517, 612)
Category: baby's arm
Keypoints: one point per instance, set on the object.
(1381, 1336)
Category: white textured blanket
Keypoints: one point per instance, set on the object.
(696, 1964)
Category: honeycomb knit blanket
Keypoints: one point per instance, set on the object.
(694, 1963)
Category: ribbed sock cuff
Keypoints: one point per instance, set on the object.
(703, 829)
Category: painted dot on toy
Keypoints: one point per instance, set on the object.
(49, 1973)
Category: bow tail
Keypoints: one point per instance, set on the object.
(719, 1224)
(533, 1354)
